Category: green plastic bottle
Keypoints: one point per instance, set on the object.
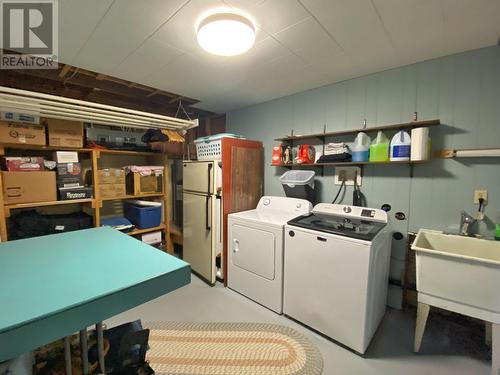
(379, 149)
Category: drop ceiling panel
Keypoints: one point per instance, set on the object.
(272, 15)
(415, 28)
(471, 24)
(149, 57)
(78, 20)
(356, 27)
(308, 40)
(127, 24)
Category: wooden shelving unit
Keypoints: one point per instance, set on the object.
(96, 203)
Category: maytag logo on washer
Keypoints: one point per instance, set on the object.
(29, 34)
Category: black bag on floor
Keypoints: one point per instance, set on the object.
(128, 346)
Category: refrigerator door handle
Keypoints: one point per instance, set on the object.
(207, 214)
(209, 190)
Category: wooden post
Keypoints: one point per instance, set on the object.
(167, 204)
(97, 204)
(3, 221)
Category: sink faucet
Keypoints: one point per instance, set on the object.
(466, 221)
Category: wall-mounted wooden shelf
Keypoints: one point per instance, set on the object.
(139, 196)
(322, 136)
(338, 164)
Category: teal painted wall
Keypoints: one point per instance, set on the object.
(462, 90)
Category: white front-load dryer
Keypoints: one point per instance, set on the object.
(255, 249)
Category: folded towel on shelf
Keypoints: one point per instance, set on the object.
(344, 157)
(337, 149)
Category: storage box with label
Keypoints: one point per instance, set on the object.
(64, 133)
(144, 179)
(111, 176)
(29, 134)
(69, 175)
(66, 156)
(79, 192)
(29, 187)
(112, 190)
(24, 163)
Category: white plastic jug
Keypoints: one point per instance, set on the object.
(361, 148)
(400, 146)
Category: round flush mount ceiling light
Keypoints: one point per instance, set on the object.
(226, 34)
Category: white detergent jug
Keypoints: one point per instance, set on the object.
(361, 148)
(400, 146)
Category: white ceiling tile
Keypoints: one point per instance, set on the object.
(147, 59)
(127, 24)
(415, 28)
(271, 15)
(308, 40)
(471, 24)
(77, 21)
(355, 25)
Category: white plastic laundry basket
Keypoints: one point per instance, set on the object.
(210, 148)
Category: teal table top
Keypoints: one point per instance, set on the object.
(52, 286)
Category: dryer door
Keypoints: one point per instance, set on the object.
(254, 250)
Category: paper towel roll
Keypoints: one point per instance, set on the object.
(420, 144)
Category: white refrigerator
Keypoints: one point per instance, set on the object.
(203, 218)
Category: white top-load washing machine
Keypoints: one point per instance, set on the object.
(255, 249)
(336, 271)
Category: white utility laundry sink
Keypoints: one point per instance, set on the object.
(459, 269)
(460, 274)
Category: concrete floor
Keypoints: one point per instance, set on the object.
(389, 353)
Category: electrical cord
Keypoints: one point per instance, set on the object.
(342, 185)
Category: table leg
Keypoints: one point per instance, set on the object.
(85, 351)
(67, 355)
(422, 315)
(495, 349)
(100, 347)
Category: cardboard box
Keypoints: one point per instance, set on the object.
(20, 117)
(111, 176)
(66, 156)
(137, 184)
(69, 175)
(64, 133)
(80, 192)
(112, 190)
(24, 163)
(29, 187)
(29, 134)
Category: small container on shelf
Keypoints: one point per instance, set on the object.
(143, 217)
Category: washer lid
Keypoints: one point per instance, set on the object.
(353, 228)
(272, 218)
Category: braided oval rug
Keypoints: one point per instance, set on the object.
(231, 348)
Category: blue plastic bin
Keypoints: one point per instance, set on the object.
(143, 217)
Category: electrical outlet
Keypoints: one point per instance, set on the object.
(480, 194)
(348, 174)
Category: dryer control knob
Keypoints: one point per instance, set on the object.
(298, 205)
(347, 209)
(291, 233)
(267, 201)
